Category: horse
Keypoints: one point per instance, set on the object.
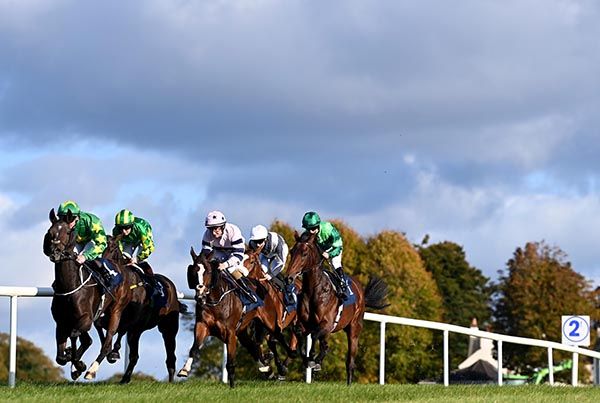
(320, 312)
(219, 313)
(272, 316)
(141, 315)
(78, 301)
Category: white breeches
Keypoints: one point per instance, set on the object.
(336, 262)
(84, 247)
(274, 265)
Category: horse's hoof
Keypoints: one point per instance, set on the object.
(113, 357)
(182, 373)
(75, 375)
(124, 381)
(311, 365)
(262, 367)
(315, 366)
(89, 376)
(267, 357)
(281, 378)
(80, 366)
(61, 361)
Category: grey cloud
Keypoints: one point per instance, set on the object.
(296, 79)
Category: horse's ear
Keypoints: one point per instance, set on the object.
(193, 253)
(52, 216)
(69, 216)
(296, 236)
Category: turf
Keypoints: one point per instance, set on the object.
(148, 391)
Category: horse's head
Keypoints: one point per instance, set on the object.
(112, 251)
(304, 255)
(203, 272)
(252, 263)
(60, 238)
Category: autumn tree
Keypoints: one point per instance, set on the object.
(465, 291)
(410, 351)
(32, 363)
(537, 287)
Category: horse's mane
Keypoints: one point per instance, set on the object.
(112, 250)
(307, 237)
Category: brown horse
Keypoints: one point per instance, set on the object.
(141, 314)
(78, 301)
(273, 315)
(320, 312)
(219, 313)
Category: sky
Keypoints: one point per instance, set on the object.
(474, 122)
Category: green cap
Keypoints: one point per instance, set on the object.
(67, 206)
(124, 218)
(311, 220)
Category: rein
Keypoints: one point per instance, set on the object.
(83, 283)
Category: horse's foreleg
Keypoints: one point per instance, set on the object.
(352, 332)
(321, 335)
(281, 367)
(231, 351)
(168, 327)
(113, 325)
(100, 331)
(61, 344)
(200, 333)
(78, 366)
(114, 355)
(133, 341)
(253, 348)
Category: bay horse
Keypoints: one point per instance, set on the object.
(320, 312)
(78, 300)
(140, 314)
(273, 316)
(219, 313)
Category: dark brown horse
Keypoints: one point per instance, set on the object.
(320, 312)
(78, 301)
(141, 314)
(272, 316)
(219, 313)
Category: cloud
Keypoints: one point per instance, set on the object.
(241, 78)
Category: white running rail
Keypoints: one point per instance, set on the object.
(15, 292)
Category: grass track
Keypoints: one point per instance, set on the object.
(146, 391)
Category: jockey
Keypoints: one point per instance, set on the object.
(226, 242)
(137, 236)
(90, 238)
(273, 253)
(329, 242)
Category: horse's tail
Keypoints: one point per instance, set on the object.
(376, 293)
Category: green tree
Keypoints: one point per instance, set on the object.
(536, 289)
(32, 363)
(465, 291)
(410, 351)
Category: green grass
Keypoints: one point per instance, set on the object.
(147, 391)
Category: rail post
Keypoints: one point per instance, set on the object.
(12, 366)
(382, 353)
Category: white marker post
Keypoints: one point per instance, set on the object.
(575, 332)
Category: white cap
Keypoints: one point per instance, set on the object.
(214, 219)
(259, 232)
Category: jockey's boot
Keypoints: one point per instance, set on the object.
(97, 266)
(288, 293)
(342, 287)
(242, 282)
(151, 279)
